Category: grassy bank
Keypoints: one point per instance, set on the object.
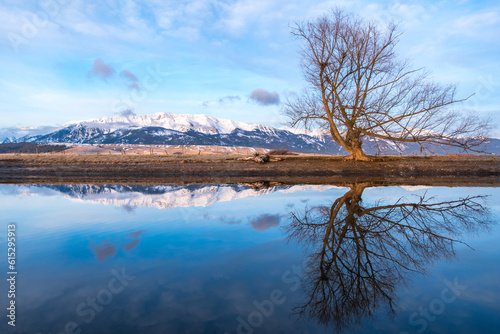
(66, 168)
(153, 159)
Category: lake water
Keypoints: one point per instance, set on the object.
(241, 259)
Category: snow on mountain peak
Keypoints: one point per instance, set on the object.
(178, 122)
(319, 133)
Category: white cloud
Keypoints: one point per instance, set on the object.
(483, 25)
(239, 16)
(183, 19)
(264, 97)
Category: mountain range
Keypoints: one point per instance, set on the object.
(182, 129)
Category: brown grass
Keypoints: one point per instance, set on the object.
(157, 159)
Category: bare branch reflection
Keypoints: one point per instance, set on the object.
(361, 254)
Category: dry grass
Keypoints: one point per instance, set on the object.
(133, 149)
(108, 158)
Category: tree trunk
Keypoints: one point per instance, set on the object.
(353, 143)
(358, 154)
(353, 199)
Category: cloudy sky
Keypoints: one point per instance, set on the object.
(65, 60)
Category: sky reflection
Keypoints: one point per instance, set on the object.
(203, 269)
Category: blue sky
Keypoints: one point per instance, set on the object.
(65, 60)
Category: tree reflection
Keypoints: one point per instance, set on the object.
(361, 253)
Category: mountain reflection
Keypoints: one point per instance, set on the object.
(361, 253)
(165, 196)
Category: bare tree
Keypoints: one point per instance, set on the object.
(361, 253)
(359, 87)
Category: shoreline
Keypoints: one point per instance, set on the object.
(64, 168)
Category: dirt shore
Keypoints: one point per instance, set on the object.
(66, 168)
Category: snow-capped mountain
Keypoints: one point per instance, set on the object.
(177, 129)
(177, 122)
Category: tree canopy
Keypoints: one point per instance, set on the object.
(358, 88)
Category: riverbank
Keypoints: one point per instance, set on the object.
(66, 168)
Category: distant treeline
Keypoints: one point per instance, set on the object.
(30, 148)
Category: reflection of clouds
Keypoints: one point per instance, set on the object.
(230, 220)
(103, 251)
(127, 247)
(225, 219)
(109, 249)
(265, 222)
(27, 194)
(128, 208)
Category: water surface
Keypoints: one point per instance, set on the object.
(239, 259)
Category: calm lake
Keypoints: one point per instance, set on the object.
(248, 259)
